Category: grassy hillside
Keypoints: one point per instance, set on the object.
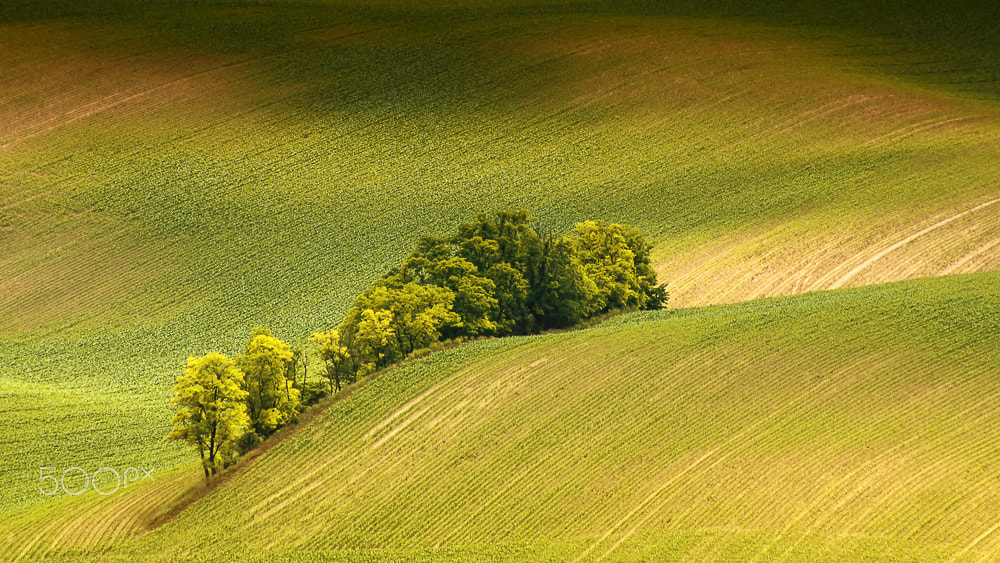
(171, 176)
(851, 424)
(162, 147)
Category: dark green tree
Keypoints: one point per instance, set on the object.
(475, 295)
(561, 294)
(512, 299)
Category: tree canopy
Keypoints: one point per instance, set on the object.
(498, 276)
(211, 411)
(271, 399)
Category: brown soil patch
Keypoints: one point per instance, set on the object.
(54, 77)
(73, 276)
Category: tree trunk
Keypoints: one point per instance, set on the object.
(211, 449)
(399, 342)
(204, 466)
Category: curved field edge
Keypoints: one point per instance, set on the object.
(849, 423)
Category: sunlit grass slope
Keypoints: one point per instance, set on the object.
(850, 424)
(172, 176)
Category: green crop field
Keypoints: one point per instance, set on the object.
(850, 424)
(173, 174)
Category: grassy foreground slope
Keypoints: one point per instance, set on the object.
(172, 176)
(849, 424)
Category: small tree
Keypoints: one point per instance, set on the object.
(334, 355)
(210, 408)
(272, 401)
(292, 368)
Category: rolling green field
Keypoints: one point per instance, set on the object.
(850, 424)
(173, 175)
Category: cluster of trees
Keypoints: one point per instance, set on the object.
(497, 276)
(226, 406)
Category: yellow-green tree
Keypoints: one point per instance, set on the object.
(616, 258)
(211, 412)
(418, 311)
(333, 354)
(271, 400)
(610, 263)
(375, 332)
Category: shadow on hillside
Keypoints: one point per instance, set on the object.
(427, 54)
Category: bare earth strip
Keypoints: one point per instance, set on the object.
(975, 253)
(840, 282)
(740, 269)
